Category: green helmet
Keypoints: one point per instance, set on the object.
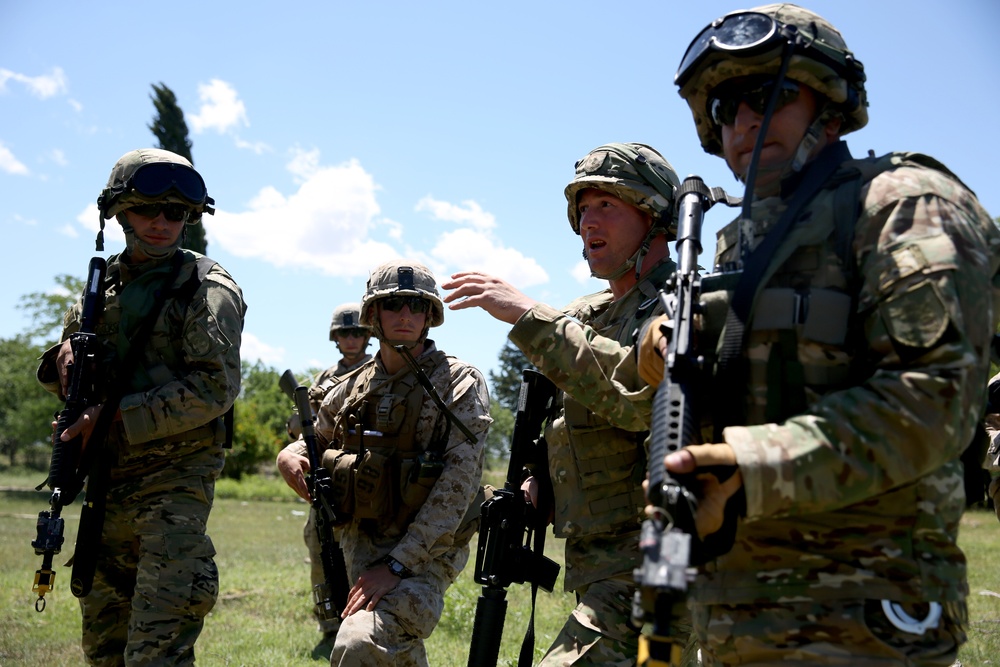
(635, 173)
(401, 278)
(751, 43)
(346, 316)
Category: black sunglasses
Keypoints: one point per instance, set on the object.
(724, 102)
(353, 332)
(172, 212)
(395, 304)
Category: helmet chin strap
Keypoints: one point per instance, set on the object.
(635, 260)
(133, 242)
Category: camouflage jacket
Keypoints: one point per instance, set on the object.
(859, 493)
(189, 372)
(431, 534)
(587, 351)
(325, 380)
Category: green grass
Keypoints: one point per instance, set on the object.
(263, 614)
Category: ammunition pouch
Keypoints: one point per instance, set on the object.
(340, 465)
(417, 477)
(373, 492)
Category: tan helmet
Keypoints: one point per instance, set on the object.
(346, 316)
(150, 175)
(751, 43)
(401, 277)
(635, 173)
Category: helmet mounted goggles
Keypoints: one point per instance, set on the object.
(155, 179)
(757, 36)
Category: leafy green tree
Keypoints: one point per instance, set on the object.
(259, 428)
(171, 130)
(505, 384)
(46, 309)
(26, 409)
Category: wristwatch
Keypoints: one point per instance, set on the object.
(397, 568)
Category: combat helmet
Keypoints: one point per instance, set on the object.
(754, 42)
(346, 316)
(635, 173)
(401, 278)
(150, 175)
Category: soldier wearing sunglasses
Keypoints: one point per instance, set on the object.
(170, 339)
(351, 338)
(406, 461)
(847, 329)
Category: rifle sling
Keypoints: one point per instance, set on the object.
(731, 372)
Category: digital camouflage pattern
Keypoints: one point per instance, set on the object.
(429, 546)
(858, 496)
(816, 74)
(168, 450)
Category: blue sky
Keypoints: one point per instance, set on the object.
(335, 136)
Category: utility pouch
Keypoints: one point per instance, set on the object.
(417, 478)
(340, 465)
(373, 492)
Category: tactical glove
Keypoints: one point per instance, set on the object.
(649, 360)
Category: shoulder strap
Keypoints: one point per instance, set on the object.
(429, 388)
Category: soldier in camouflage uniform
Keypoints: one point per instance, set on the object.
(620, 203)
(850, 345)
(156, 578)
(351, 338)
(405, 472)
(992, 424)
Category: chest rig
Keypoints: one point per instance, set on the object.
(385, 469)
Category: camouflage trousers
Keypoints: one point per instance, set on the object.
(155, 579)
(842, 633)
(393, 634)
(600, 629)
(327, 627)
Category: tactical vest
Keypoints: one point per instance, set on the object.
(126, 309)
(381, 472)
(597, 469)
(803, 327)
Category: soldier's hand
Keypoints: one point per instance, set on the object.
(293, 468)
(498, 298)
(83, 426)
(652, 347)
(715, 467)
(531, 489)
(64, 364)
(369, 589)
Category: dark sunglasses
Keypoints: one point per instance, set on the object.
(172, 212)
(724, 102)
(395, 304)
(157, 178)
(353, 333)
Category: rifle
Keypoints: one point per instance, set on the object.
(65, 479)
(331, 596)
(512, 531)
(669, 541)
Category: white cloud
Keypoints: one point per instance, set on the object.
(581, 271)
(475, 246)
(59, 157)
(254, 349)
(42, 87)
(11, 164)
(325, 225)
(471, 214)
(256, 147)
(221, 108)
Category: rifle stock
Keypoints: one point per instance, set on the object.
(65, 476)
(512, 531)
(331, 596)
